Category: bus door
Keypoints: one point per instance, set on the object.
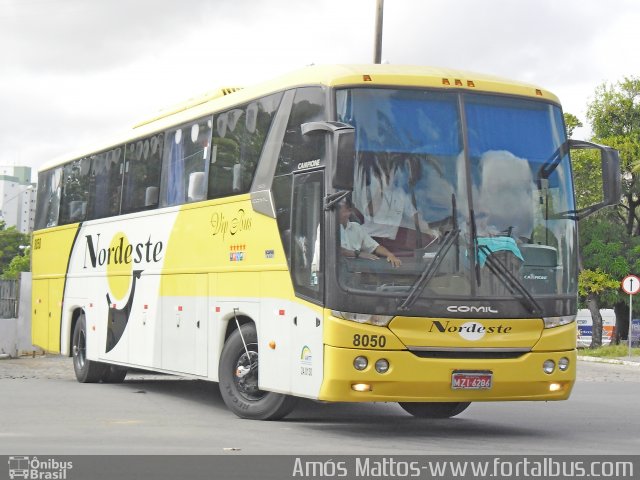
(307, 272)
(47, 309)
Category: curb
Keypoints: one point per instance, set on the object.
(613, 361)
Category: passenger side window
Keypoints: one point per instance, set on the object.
(308, 106)
(142, 168)
(105, 183)
(185, 161)
(48, 201)
(239, 136)
(75, 191)
(281, 190)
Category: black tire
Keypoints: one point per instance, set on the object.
(238, 377)
(87, 371)
(434, 409)
(113, 374)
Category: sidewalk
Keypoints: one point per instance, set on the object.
(631, 361)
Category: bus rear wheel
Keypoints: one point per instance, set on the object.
(238, 377)
(434, 409)
(87, 371)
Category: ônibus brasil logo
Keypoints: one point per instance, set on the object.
(34, 468)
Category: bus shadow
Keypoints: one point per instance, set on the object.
(365, 420)
(199, 392)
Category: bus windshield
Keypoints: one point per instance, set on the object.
(469, 192)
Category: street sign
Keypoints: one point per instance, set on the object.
(631, 284)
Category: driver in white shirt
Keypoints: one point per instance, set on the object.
(355, 242)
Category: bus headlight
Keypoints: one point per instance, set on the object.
(378, 320)
(549, 366)
(360, 363)
(563, 364)
(382, 365)
(552, 322)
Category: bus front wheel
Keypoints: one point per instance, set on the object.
(238, 377)
(434, 409)
(113, 374)
(87, 371)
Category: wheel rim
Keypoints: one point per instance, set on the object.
(245, 375)
(80, 349)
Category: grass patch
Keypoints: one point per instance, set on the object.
(610, 351)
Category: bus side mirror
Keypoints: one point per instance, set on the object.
(611, 178)
(345, 152)
(342, 151)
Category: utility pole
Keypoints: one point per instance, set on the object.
(377, 55)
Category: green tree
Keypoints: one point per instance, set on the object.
(610, 240)
(19, 263)
(615, 119)
(592, 286)
(596, 288)
(572, 122)
(10, 242)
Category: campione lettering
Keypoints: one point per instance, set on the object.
(149, 252)
(309, 164)
(532, 276)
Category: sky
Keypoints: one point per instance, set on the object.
(77, 72)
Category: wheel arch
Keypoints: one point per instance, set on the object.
(75, 314)
(232, 325)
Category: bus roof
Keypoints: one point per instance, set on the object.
(326, 75)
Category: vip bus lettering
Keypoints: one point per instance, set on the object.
(239, 223)
(120, 254)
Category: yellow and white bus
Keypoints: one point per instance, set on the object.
(209, 242)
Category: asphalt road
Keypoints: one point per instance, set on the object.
(43, 410)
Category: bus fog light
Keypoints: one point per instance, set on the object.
(549, 366)
(361, 387)
(555, 387)
(360, 363)
(563, 364)
(382, 366)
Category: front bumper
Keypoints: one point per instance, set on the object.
(414, 379)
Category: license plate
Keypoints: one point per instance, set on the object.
(471, 380)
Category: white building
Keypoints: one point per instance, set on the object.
(17, 198)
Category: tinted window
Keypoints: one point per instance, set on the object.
(105, 183)
(239, 136)
(184, 166)
(48, 203)
(308, 106)
(75, 191)
(143, 165)
(306, 245)
(281, 190)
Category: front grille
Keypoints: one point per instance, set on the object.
(469, 354)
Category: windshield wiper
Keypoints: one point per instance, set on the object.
(512, 282)
(428, 273)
